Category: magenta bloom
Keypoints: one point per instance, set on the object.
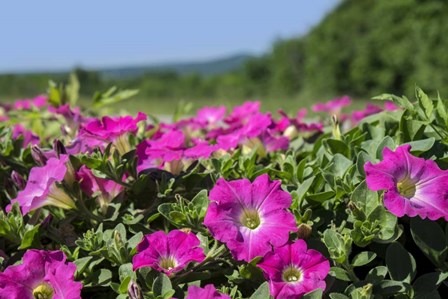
(104, 190)
(168, 253)
(211, 115)
(207, 292)
(390, 106)
(43, 274)
(27, 104)
(293, 271)
(333, 106)
(250, 218)
(28, 136)
(241, 113)
(370, 109)
(41, 189)
(414, 186)
(116, 130)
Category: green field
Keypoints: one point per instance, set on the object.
(154, 106)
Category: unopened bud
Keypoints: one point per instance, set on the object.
(59, 148)
(46, 222)
(134, 291)
(38, 155)
(18, 180)
(336, 129)
(304, 231)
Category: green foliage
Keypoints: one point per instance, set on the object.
(372, 253)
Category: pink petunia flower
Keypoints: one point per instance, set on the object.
(333, 106)
(210, 115)
(42, 189)
(250, 218)
(28, 136)
(414, 186)
(390, 106)
(207, 292)
(252, 127)
(293, 271)
(27, 104)
(240, 114)
(104, 190)
(168, 253)
(98, 133)
(370, 109)
(42, 274)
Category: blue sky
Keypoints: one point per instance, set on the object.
(50, 34)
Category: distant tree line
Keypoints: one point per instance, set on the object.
(362, 48)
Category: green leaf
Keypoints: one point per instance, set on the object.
(363, 258)
(316, 294)
(389, 230)
(365, 199)
(81, 264)
(29, 237)
(400, 262)
(424, 102)
(390, 287)
(430, 238)
(421, 145)
(102, 277)
(200, 203)
(361, 160)
(377, 274)
(111, 96)
(335, 245)
(339, 165)
(133, 242)
(339, 273)
(338, 296)
(262, 292)
(162, 285)
(441, 113)
(426, 285)
(321, 196)
(386, 142)
(304, 187)
(400, 101)
(337, 147)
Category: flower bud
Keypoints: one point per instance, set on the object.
(134, 291)
(59, 148)
(18, 180)
(304, 231)
(38, 156)
(46, 222)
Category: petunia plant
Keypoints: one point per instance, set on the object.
(224, 203)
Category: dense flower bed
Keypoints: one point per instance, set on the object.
(224, 204)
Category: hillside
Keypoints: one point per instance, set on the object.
(204, 68)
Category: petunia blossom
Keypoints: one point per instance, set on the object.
(98, 133)
(28, 136)
(104, 190)
(293, 270)
(168, 253)
(370, 109)
(42, 274)
(42, 189)
(207, 292)
(250, 218)
(27, 104)
(414, 186)
(333, 106)
(210, 115)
